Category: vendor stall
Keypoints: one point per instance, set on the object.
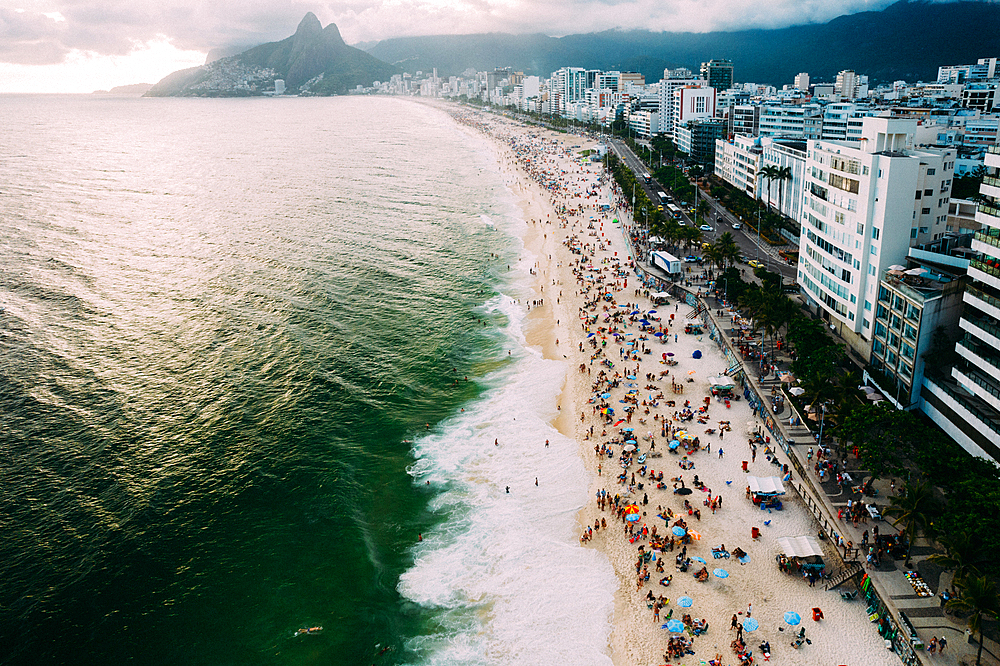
(765, 490)
(802, 553)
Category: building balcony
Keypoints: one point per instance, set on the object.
(978, 354)
(990, 187)
(982, 271)
(978, 383)
(994, 149)
(989, 236)
(982, 301)
(982, 329)
(973, 411)
(991, 210)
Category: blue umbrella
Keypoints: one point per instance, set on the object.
(590, 335)
(792, 618)
(674, 443)
(635, 312)
(605, 395)
(675, 626)
(631, 441)
(699, 559)
(685, 602)
(651, 312)
(678, 531)
(745, 559)
(629, 376)
(721, 573)
(632, 517)
(628, 430)
(750, 624)
(658, 334)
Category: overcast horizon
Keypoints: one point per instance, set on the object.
(86, 45)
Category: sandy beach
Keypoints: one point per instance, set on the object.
(581, 313)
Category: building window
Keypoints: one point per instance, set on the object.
(928, 193)
(919, 194)
(868, 305)
(875, 233)
(931, 172)
(879, 329)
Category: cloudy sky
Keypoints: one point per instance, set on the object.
(83, 45)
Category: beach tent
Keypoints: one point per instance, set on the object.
(801, 546)
(659, 295)
(766, 485)
(721, 382)
(805, 551)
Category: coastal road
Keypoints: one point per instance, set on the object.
(720, 219)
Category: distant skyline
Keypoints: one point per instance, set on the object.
(85, 45)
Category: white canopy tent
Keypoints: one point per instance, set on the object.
(801, 546)
(766, 485)
(721, 382)
(660, 294)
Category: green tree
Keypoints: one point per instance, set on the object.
(728, 248)
(978, 597)
(963, 555)
(885, 436)
(770, 174)
(782, 174)
(913, 508)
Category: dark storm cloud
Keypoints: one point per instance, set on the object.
(116, 27)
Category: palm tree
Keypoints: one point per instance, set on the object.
(728, 247)
(962, 555)
(783, 174)
(913, 510)
(978, 597)
(770, 173)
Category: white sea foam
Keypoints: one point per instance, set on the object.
(505, 571)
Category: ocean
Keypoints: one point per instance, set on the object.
(251, 352)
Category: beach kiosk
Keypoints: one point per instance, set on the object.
(801, 553)
(765, 491)
(723, 387)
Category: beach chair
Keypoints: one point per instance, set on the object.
(848, 596)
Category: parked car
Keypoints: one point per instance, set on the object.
(737, 225)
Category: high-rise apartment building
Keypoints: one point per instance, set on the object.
(668, 86)
(862, 208)
(965, 403)
(802, 81)
(718, 73)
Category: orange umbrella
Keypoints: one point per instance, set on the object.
(694, 535)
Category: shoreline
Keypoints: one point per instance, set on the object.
(635, 637)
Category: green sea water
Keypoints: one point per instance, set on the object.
(224, 323)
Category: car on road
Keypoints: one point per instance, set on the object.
(753, 263)
(691, 259)
(737, 225)
(706, 227)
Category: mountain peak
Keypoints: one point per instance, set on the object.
(309, 25)
(331, 35)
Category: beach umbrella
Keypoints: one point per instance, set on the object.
(605, 395)
(685, 602)
(629, 447)
(673, 444)
(678, 530)
(691, 372)
(721, 573)
(694, 535)
(745, 559)
(679, 433)
(635, 312)
(796, 390)
(786, 377)
(631, 441)
(658, 335)
(590, 335)
(674, 626)
(628, 429)
(684, 491)
(750, 624)
(696, 354)
(670, 353)
(618, 422)
(699, 559)
(792, 618)
(651, 312)
(629, 376)
(632, 513)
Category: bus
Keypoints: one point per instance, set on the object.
(645, 178)
(674, 210)
(663, 196)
